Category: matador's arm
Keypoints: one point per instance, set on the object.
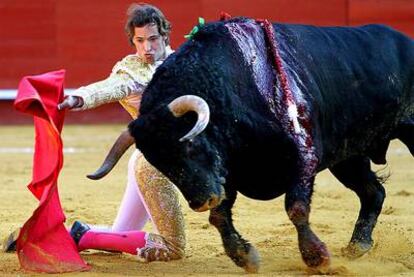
(116, 87)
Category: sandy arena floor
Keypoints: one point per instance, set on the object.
(265, 224)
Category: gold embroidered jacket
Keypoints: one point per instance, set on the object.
(125, 84)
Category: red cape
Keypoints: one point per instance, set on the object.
(44, 244)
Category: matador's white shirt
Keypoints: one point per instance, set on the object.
(125, 84)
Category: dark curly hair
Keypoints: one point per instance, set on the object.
(141, 14)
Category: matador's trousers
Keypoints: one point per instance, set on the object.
(161, 200)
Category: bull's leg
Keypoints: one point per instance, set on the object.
(297, 204)
(237, 248)
(356, 174)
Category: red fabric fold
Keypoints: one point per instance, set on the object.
(44, 244)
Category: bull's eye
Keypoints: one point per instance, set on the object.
(189, 149)
(189, 144)
(192, 151)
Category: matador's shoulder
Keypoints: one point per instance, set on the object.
(133, 66)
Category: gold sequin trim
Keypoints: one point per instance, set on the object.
(162, 200)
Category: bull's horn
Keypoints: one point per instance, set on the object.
(124, 141)
(185, 103)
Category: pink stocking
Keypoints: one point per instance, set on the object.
(127, 242)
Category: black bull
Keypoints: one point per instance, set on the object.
(351, 92)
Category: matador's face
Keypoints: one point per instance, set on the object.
(150, 44)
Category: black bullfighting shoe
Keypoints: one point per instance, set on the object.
(78, 230)
(10, 242)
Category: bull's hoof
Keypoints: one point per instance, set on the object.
(252, 261)
(246, 257)
(356, 249)
(316, 256)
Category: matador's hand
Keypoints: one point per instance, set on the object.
(71, 102)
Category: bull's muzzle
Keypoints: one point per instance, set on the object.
(213, 201)
(209, 204)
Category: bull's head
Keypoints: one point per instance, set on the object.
(192, 162)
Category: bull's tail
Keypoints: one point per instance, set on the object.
(405, 133)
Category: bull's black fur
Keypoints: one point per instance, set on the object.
(359, 86)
